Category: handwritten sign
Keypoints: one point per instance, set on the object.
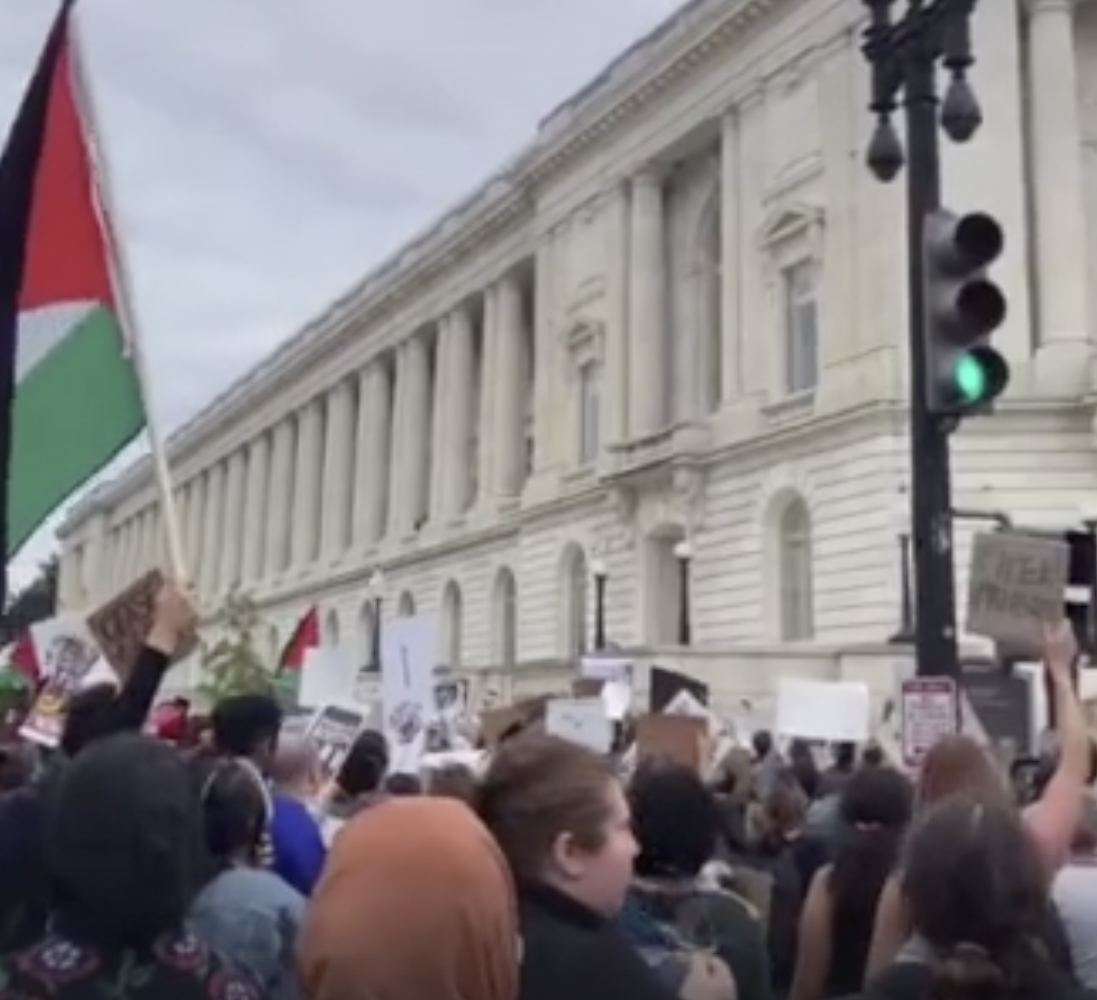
(680, 738)
(121, 626)
(1016, 587)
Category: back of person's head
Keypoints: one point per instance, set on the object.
(90, 716)
(559, 814)
(296, 765)
(415, 903)
(123, 841)
(845, 756)
(783, 812)
(403, 784)
(453, 781)
(806, 774)
(233, 811)
(363, 769)
(872, 755)
(17, 766)
(875, 806)
(957, 765)
(762, 741)
(977, 895)
(246, 725)
(675, 819)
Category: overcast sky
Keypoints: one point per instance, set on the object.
(265, 153)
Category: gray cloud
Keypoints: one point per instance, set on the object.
(265, 153)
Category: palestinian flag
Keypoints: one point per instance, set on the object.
(306, 636)
(69, 394)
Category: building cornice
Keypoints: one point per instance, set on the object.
(612, 101)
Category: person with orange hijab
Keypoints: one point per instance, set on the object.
(415, 902)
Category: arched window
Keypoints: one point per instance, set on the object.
(451, 637)
(331, 629)
(405, 606)
(575, 590)
(367, 625)
(710, 347)
(796, 572)
(504, 605)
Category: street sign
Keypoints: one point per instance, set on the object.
(929, 711)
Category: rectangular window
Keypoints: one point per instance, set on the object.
(590, 393)
(801, 309)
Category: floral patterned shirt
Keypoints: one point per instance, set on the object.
(178, 967)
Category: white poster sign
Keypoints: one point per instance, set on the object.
(837, 711)
(930, 711)
(408, 648)
(580, 720)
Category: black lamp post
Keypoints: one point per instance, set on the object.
(376, 589)
(683, 552)
(904, 634)
(600, 572)
(903, 54)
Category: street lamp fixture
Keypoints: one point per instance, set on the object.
(904, 635)
(600, 571)
(376, 589)
(683, 552)
(903, 52)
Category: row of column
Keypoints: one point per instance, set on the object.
(1058, 182)
(407, 442)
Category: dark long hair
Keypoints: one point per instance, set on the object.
(875, 807)
(978, 898)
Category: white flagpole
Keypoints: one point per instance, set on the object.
(120, 278)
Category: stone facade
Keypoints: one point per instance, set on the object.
(678, 314)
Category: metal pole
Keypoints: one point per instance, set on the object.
(905, 633)
(685, 630)
(931, 485)
(600, 612)
(375, 643)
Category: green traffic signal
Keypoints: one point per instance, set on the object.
(971, 380)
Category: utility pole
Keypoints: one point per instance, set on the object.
(903, 54)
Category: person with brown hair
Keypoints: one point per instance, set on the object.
(453, 781)
(560, 815)
(959, 766)
(415, 903)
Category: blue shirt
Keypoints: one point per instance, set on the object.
(299, 851)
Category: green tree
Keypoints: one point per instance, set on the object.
(233, 664)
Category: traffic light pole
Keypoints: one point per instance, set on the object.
(930, 460)
(903, 55)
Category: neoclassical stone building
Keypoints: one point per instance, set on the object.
(678, 314)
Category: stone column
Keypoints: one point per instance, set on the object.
(375, 451)
(416, 435)
(730, 291)
(276, 543)
(459, 414)
(485, 436)
(509, 381)
(398, 446)
(306, 494)
(440, 456)
(647, 308)
(212, 531)
(1058, 190)
(192, 524)
(229, 573)
(617, 318)
(257, 509)
(338, 471)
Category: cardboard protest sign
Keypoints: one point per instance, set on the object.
(679, 737)
(333, 730)
(121, 626)
(1016, 587)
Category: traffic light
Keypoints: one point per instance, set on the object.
(964, 372)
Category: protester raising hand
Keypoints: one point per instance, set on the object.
(1053, 818)
(174, 621)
